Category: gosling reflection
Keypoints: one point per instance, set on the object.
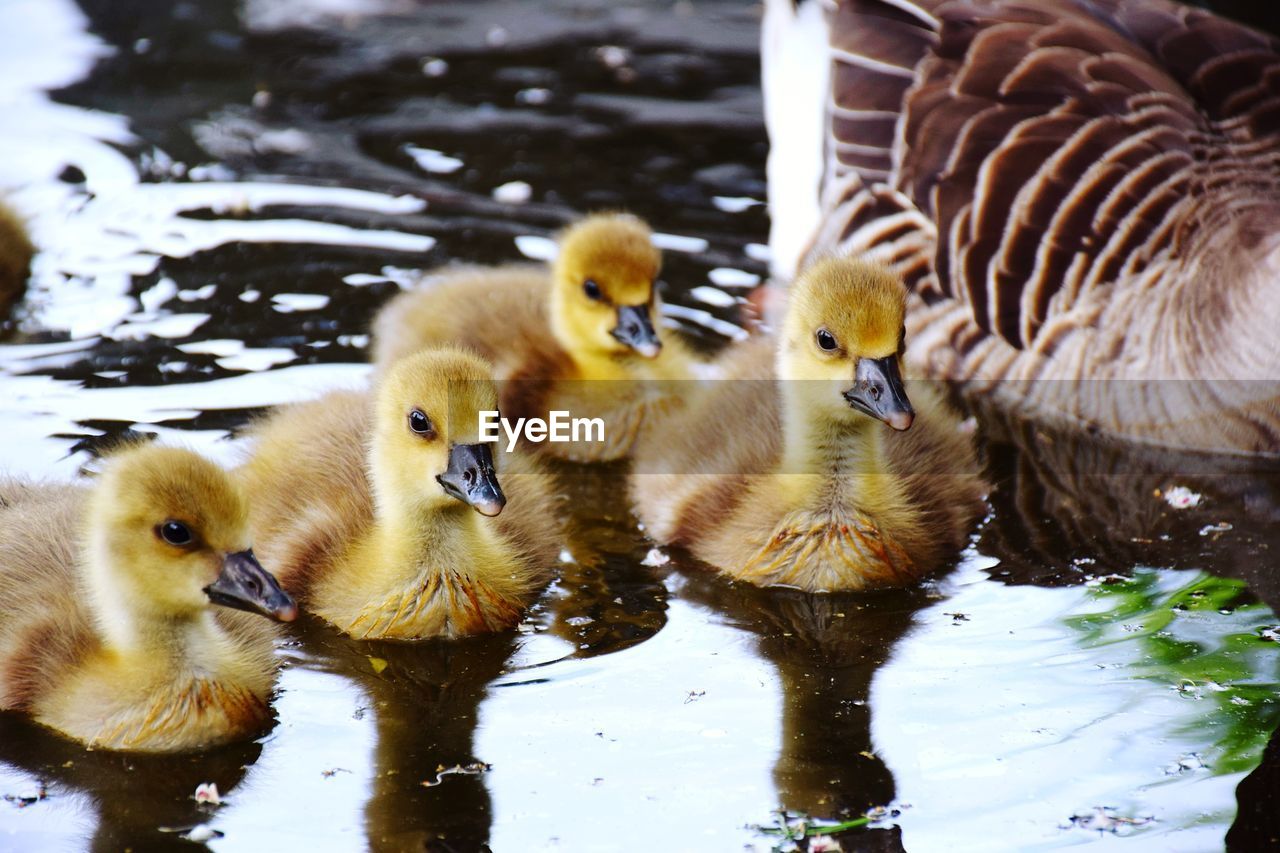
(143, 801)
(607, 599)
(827, 648)
(425, 697)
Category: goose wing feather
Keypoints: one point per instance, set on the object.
(1036, 151)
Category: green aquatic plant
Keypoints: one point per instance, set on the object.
(796, 831)
(1208, 639)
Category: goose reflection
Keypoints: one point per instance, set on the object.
(607, 599)
(1069, 504)
(425, 698)
(143, 801)
(827, 648)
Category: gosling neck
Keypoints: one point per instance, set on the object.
(836, 445)
(412, 517)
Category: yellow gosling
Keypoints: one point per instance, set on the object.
(554, 337)
(108, 632)
(384, 512)
(800, 482)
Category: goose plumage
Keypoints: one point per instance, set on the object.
(108, 632)
(580, 337)
(798, 482)
(1074, 190)
(378, 508)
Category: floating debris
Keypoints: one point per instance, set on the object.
(1104, 819)
(199, 833)
(1215, 529)
(793, 827)
(1186, 764)
(656, 557)
(207, 792)
(377, 664)
(24, 800)
(1180, 497)
(694, 696)
(475, 768)
(202, 833)
(957, 618)
(333, 771)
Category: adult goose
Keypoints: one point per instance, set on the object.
(1082, 195)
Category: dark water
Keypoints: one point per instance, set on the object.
(226, 195)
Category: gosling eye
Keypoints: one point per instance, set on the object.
(592, 290)
(421, 424)
(826, 341)
(174, 532)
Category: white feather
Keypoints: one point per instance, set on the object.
(796, 69)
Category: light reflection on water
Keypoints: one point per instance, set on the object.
(1040, 724)
(677, 732)
(640, 706)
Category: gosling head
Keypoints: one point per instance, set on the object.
(169, 533)
(427, 451)
(844, 326)
(603, 297)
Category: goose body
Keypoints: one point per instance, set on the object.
(108, 632)
(796, 482)
(382, 521)
(581, 337)
(1082, 195)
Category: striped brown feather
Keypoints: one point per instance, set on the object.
(1033, 134)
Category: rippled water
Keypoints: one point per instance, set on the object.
(224, 193)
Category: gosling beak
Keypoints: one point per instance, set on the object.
(245, 585)
(635, 329)
(877, 391)
(471, 479)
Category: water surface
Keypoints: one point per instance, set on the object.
(226, 192)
